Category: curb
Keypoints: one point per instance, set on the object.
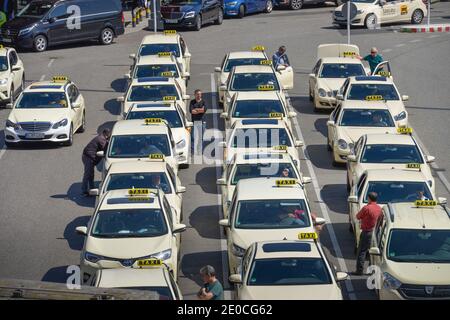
(430, 28)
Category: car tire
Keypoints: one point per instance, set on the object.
(241, 12)
(219, 19)
(311, 98)
(106, 36)
(417, 16)
(40, 43)
(198, 23)
(350, 228)
(269, 6)
(296, 4)
(371, 21)
(69, 142)
(83, 124)
(329, 148)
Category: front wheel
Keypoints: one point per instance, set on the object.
(219, 19)
(371, 21)
(106, 36)
(269, 6)
(241, 13)
(69, 142)
(40, 43)
(417, 16)
(83, 124)
(198, 23)
(296, 4)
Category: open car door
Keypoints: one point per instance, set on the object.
(286, 77)
(383, 69)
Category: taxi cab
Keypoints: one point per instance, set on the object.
(12, 75)
(256, 105)
(167, 41)
(371, 13)
(172, 113)
(265, 209)
(249, 165)
(259, 135)
(410, 246)
(163, 89)
(387, 151)
(50, 111)
(391, 186)
(234, 59)
(148, 173)
(256, 78)
(335, 63)
(155, 278)
(287, 270)
(140, 140)
(352, 119)
(130, 228)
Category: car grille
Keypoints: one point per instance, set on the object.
(36, 126)
(172, 15)
(419, 292)
(8, 33)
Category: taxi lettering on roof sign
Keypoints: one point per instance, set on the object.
(266, 62)
(170, 32)
(258, 48)
(404, 130)
(153, 120)
(169, 98)
(167, 74)
(374, 98)
(307, 235)
(413, 165)
(149, 263)
(275, 115)
(285, 182)
(138, 192)
(266, 87)
(384, 73)
(350, 54)
(164, 54)
(156, 156)
(425, 203)
(280, 148)
(60, 79)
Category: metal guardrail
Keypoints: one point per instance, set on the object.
(38, 290)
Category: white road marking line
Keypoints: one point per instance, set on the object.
(433, 36)
(323, 207)
(223, 242)
(415, 40)
(387, 50)
(399, 45)
(50, 63)
(2, 152)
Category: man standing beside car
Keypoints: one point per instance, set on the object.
(280, 58)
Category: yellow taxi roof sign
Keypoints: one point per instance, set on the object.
(138, 192)
(258, 48)
(164, 54)
(413, 165)
(153, 120)
(266, 87)
(266, 62)
(425, 203)
(374, 98)
(170, 32)
(280, 148)
(307, 235)
(156, 156)
(275, 115)
(404, 130)
(167, 74)
(152, 262)
(285, 182)
(60, 79)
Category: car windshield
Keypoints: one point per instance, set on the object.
(251, 81)
(288, 271)
(42, 100)
(139, 146)
(154, 92)
(391, 153)
(163, 292)
(366, 118)
(157, 180)
(256, 170)
(158, 70)
(341, 70)
(129, 223)
(272, 214)
(171, 116)
(3, 63)
(257, 108)
(419, 246)
(361, 91)
(35, 9)
(399, 191)
(260, 138)
(155, 48)
(231, 63)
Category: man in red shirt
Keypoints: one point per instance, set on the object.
(369, 216)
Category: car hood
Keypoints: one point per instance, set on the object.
(4, 74)
(420, 273)
(38, 115)
(330, 84)
(317, 292)
(19, 23)
(181, 8)
(395, 106)
(352, 134)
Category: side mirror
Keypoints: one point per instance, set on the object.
(181, 189)
(352, 199)
(178, 228)
(9, 106)
(224, 115)
(81, 230)
(51, 20)
(224, 223)
(430, 159)
(16, 68)
(100, 154)
(76, 105)
(186, 97)
(405, 98)
(189, 124)
(292, 114)
(127, 76)
(341, 276)
(187, 55)
(306, 180)
(442, 200)
(351, 158)
(331, 123)
(221, 182)
(312, 75)
(374, 251)
(298, 143)
(217, 69)
(222, 144)
(223, 88)
(340, 96)
(186, 75)
(94, 192)
(120, 99)
(132, 56)
(320, 221)
(281, 68)
(235, 278)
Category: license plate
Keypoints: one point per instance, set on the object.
(35, 135)
(171, 21)
(6, 40)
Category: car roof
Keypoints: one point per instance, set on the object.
(124, 277)
(137, 166)
(47, 86)
(246, 54)
(287, 249)
(371, 79)
(259, 95)
(394, 175)
(155, 59)
(389, 138)
(341, 60)
(119, 199)
(160, 38)
(130, 127)
(260, 123)
(363, 104)
(153, 80)
(408, 216)
(262, 157)
(253, 69)
(265, 188)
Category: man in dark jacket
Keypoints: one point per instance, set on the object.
(90, 159)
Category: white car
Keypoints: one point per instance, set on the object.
(264, 209)
(256, 105)
(153, 89)
(168, 41)
(130, 228)
(371, 13)
(259, 135)
(335, 63)
(145, 174)
(387, 151)
(287, 270)
(47, 111)
(172, 113)
(12, 75)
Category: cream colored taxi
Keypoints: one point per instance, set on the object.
(130, 228)
(264, 209)
(155, 278)
(335, 63)
(350, 120)
(12, 75)
(256, 105)
(410, 252)
(256, 78)
(167, 41)
(259, 135)
(149, 173)
(234, 59)
(47, 111)
(391, 186)
(154, 89)
(287, 270)
(172, 113)
(387, 151)
(249, 165)
(372, 13)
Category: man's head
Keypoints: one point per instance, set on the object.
(282, 49)
(373, 196)
(106, 133)
(208, 274)
(198, 94)
(156, 179)
(373, 51)
(285, 172)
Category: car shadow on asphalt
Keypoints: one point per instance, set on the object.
(74, 195)
(192, 263)
(205, 220)
(2, 139)
(119, 85)
(321, 157)
(113, 107)
(335, 197)
(107, 125)
(74, 240)
(57, 274)
(206, 179)
(321, 126)
(345, 239)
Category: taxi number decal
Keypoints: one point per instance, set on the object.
(167, 74)
(169, 98)
(266, 62)
(403, 9)
(156, 156)
(374, 98)
(413, 165)
(149, 262)
(164, 54)
(275, 115)
(384, 73)
(404, 130)
(282, 148)
(138, 192)
(425, 203)
(170, 32)
(266, 87)
(285, 182)
(348, 54)
(258, 48)
(153, 120)
(307, 235)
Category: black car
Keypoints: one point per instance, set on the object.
(191, 14)
(44, 23)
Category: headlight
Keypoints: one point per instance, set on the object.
(238, 251)
(181, 143)
(92, 257)
(26, 30)
(232, 4)
(342, 144)
(322, 93)
(61, 123)
(3, 81)
(10, 124)
(400, 116)
(190, 14)
(389, 282)
(360, 12)
(163, 255)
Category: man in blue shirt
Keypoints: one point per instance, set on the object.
(280, 58)
(373, 59)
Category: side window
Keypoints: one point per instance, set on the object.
(59, 12)
(360, 185)
(183, 46)
(336, 114)
(172, 176)
(74, 94)
(317, 67)
(358, 145)
(223, 62)
(12, 58)
(229, 169)
(343, 89)
(379, 228)
(233, 207)
(382, 240)
(169, 212)
(246, 260)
